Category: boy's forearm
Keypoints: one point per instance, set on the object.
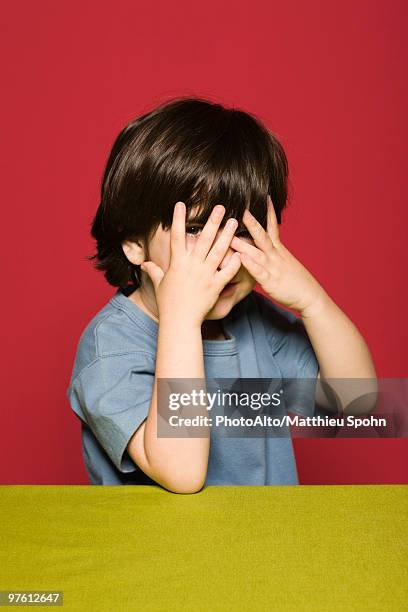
(178, 463)
(341, 350)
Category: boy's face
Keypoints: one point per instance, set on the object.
(241, 285)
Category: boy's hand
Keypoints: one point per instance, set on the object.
(192, 283)
(278, 272)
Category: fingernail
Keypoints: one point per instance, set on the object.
(219, 211)
(232, 223)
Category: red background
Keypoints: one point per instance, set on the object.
(327, 77)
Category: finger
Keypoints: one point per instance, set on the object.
(178, 230)
(154, 272)
(259, 273)
(224, 276)
(260, 237)
(272, 223)
(206, 239)
(244, 247)
(221, 246)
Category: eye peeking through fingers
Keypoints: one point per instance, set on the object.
(193, 230)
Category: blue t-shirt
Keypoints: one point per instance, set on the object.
(112, 381)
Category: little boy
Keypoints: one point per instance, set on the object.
(188, 223)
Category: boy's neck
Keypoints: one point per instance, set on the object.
(210, 330)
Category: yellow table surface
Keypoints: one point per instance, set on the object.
(225, 548)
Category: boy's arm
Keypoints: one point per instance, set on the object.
(179, 464)
(340, 349)
(184, 294)
(341, 352)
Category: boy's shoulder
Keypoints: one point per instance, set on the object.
(112, 331)
(274, 315)
(286, 335)
(278, 322)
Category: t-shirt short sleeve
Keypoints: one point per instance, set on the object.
(113, 396)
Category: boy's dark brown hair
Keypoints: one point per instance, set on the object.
(187, 149)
